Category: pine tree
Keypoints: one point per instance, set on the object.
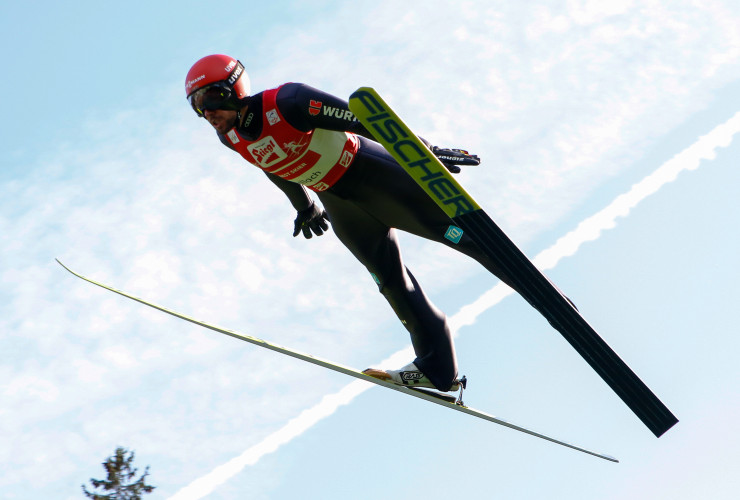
(119, 484)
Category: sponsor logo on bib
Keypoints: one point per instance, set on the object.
(267, 152)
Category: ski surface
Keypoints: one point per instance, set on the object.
(468, 217)
(439, 399)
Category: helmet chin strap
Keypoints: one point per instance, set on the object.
(243, 118)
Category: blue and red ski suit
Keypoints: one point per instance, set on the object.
(302, 139)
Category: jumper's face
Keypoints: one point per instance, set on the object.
(222, 120)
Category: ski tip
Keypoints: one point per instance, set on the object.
(68, 269)
(366, 95)
(363, 89)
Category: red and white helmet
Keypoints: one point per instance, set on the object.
(216, 82)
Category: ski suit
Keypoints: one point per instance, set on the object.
(304, 138)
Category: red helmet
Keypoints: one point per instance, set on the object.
(224, 74)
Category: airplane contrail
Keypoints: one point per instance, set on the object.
(589, 229)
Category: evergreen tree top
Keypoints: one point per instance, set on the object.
(119, 483)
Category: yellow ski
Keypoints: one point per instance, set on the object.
(468, 217)
(437, 398)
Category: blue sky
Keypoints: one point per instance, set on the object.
(571, 105)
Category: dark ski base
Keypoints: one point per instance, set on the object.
(390, 131)
(564, 317)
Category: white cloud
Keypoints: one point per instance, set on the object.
(149, 201)
(577, 92)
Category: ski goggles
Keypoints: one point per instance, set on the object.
(210, 98)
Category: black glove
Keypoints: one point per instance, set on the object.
(313, 219)
(451, 158)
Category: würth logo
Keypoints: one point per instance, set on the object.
(314, 107)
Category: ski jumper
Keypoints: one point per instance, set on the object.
(304, 138)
